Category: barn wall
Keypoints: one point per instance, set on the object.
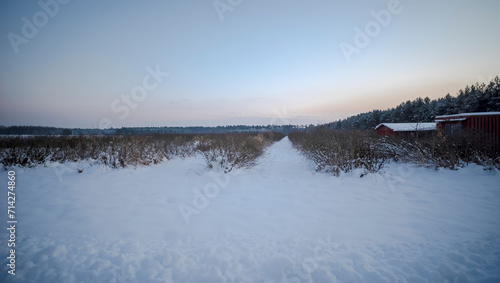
(487, 124)
(384, 131)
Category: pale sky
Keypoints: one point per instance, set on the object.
(95, 63)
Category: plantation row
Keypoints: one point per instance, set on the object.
(343, 151)
(332, 151)
(225, 150)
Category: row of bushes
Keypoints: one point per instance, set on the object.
(128, 150)
(340, 151)
(230, 151)
(343, 151)
(450, 152)
(113, 151)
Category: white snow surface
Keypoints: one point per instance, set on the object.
(278, 221)
(468, 115)
(406, 127)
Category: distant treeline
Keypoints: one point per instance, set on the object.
(36, 130)
(476, 98)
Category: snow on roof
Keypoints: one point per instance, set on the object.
(408, 127)
(467, 115)
(453, 120)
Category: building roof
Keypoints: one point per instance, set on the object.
(464, 116)
(408, 127)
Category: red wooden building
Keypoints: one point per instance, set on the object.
(487, 123)
(389, 129)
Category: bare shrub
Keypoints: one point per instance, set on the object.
(114, 151)
(118, 151)
(450, 152)
(235, 150)
(341, 151)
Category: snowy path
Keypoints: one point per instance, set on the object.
(277, 222)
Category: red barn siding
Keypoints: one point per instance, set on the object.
(385, 131)
(484, 123)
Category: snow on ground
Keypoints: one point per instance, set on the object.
(279, 221)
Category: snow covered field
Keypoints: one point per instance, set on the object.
(279, 221)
